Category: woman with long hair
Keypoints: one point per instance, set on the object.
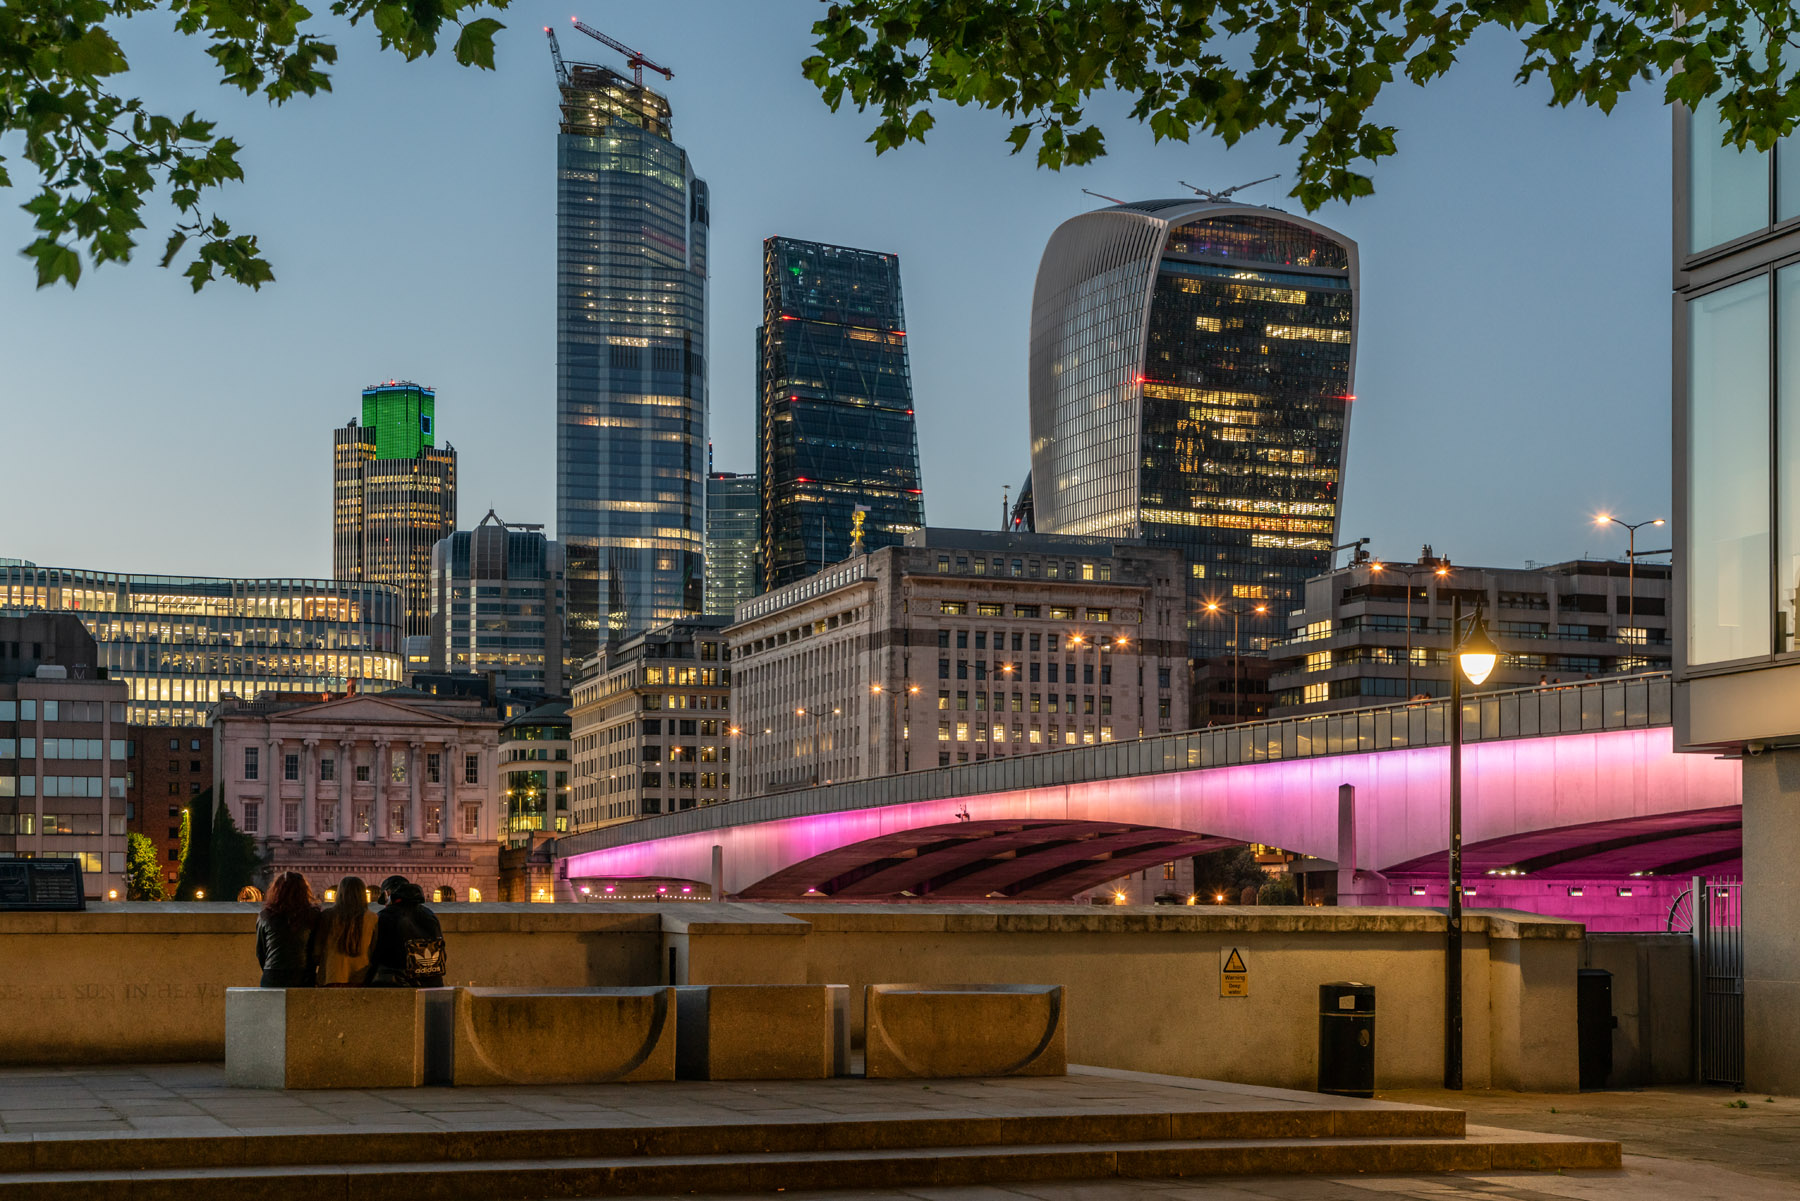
(284, 933)
(346, 932)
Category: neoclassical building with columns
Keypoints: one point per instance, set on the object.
(367, 785)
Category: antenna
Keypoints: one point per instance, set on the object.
(1098, 196)
(637, 62)
(1005, 505)
(1221, 197)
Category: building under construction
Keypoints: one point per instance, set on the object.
(631, 353)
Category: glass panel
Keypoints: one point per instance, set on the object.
(1728, 189)
(1787, 178)
(1728, 473)
(1787, 434)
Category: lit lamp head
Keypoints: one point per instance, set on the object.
(1477, 655)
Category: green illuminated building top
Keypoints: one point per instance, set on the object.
(403, 416)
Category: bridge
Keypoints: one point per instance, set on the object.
(1574, 801)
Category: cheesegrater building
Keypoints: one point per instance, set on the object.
(1191, 372)
(393, 495)
(631, 368)
(835, 436)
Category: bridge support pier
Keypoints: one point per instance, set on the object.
(1771, 916)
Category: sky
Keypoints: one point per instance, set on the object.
(1512, 370)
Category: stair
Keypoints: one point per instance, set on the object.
(364, 1164)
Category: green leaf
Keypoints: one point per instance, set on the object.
(475, 46)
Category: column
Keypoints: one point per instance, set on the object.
(452, 827)
(309, 778)
(415, 762)
(1771, 921)
(345, 826)
(271, 807)
(378, 773)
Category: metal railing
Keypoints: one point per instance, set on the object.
(1621, 703)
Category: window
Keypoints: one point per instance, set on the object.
(290, 767)
(174, 744)
(1728, 187)
(943, 699)
(1061, 613)
(434, 769)
(944, 639)
(1025, 610)
(471, 821)
(290, 819)
(943, 669)
(250, 763)
(1162, 677)
(471, 769)
(327, 768)
(362, 773)
(1099, 614)
(989, 610)
(252, 817)
(953, 608)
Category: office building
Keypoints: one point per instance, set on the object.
(955, 647)
(180, 643)
(1360, 641)
(837, 451)
(393, 496)
(370, 786)
(652, 724)
(534, 771)
(631, 230)
(168, 768)
(1191, 373)
(731, 535)
(498, 603)
(1737, 544)
(63, 750)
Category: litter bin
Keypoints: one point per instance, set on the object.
(1347, 1039)
(1594, 1025)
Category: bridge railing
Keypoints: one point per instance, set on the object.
(1620, 703)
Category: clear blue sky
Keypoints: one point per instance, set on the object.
(1512, 374)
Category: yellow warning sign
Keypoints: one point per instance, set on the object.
(1234, 974)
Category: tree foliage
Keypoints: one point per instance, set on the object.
(143, 870)
(1279, 889)
(100, 154)
(1310, 72)
(196, 846)
(234, 857)
(1227, 873)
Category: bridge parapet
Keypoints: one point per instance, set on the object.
(1622, 703)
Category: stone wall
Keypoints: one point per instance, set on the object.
(136, 983)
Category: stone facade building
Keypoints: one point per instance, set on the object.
(366, 785)
(958, 646)
(652, 724)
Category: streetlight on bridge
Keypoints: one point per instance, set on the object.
(1439, 568)
(1473, 656)
(894, 695)
(1237, 648)
(815, 714)
(1631, 558)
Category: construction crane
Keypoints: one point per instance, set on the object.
(636, 61)
(1221, 197)
(562, 71)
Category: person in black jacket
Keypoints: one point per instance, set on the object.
(409, 942)
(284, 934)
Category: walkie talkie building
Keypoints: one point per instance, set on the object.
(1192, 367)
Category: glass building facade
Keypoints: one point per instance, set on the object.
(498, 601)
(180, 642)
(836, 435)
(534, 770)
(631, 360)
(731, 524)
(1192, 370)
(393, 495)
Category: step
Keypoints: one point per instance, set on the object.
(1482, 1149)
(68, 1152)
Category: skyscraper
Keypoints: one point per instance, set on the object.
(730, 541)
(1191, 378)
(393, 495)
(497, 605)
(836, 431)
(631, 368)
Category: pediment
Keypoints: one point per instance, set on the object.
(367, 709)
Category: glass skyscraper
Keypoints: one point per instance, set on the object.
(1192, 371)
(631, 224)
(393, 495)
(836, 434)
(498, 601)
(731, 506)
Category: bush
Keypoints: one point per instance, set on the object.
(1279, 890)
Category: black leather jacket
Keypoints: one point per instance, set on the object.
(403, 918)
(284, 946)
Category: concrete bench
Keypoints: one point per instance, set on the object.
(555, 1036)
(941, 1030)
(325, 1037)
(762, 1031)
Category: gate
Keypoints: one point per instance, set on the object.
(1718, 913)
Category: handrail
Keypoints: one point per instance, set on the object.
(1616, 703)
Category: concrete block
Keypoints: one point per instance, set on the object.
(942, 1030)
(562, 1036)
(325, 1037)
(762, 1031)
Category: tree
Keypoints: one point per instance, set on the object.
(196, 846)
(234, 857)
(1278, 890)
(143, 869)
(1226, 873)
(100, 155)
(1310, 72)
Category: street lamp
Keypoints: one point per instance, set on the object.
(1474, 656)
(1631, 529)
(803, 711)
(1409, 570)
(1237, 647)
(894, 695)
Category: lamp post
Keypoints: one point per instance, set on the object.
(1473, 656)
(894, 695)
(803, 711)
(1409, 570)
(1631, 529)
(1237, 647)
